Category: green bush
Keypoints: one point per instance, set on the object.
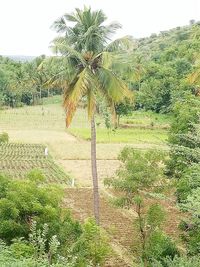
(184, 136)
(4, 138)
(192, 225)
(92, 245)
(17, 255)
(138, 171)
(22, 201)
(160, 247)
(190, 180)
(178, 262)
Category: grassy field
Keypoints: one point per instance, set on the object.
(45, 124)
(51, 117)
(48, 117)
(130, 135)
(142, 132)
(147, 118)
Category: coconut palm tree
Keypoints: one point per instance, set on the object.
(87, 71)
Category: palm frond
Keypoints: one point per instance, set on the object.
(91, 103)
(73, 93)
(70, 17)
(60, 45)
(126, 43)
(111, 28)
(59, 25)
(111, 86)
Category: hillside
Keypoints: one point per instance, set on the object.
(161, 65)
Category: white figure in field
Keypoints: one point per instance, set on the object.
(46, 151)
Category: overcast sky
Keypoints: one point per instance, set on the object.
(25, 24)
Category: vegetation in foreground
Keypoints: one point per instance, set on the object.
(41, 232)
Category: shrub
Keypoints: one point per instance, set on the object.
(4, 138)
(178, 262)
(192, 227)
(22, 201)
(139, 171)
(160, 247)
(190, 180)
(92, 245)
(184, 136)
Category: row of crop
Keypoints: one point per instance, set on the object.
(17, 159)
(12, 151)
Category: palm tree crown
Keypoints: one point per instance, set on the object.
(89, 59)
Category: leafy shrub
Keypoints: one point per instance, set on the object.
(160, 247)
(178, 262)
(4, 138)
(15, 256)
(92, 245)
(190, 180)
(22, 201)
(184, 136)
(139, 171)
(192, 226)
(151, 243)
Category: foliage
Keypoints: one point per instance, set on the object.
(160, 246)
(4, 138)
(139, 171)
(25, 82)
(92, 245)
(184, 137)
(191, 226)
(159, 67)
(123, 109)
(16, 256)
(189, 180)
(178, 262)
(87, 58)
(151, 244)
(156, 67)
(184, 164)
(23, 201)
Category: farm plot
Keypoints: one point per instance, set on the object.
(18, 159)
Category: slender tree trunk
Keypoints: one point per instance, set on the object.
(118, 118)
(94, 171)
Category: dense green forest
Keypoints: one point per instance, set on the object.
(162, 74)
(157, 70)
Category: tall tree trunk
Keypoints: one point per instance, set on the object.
(94, 171)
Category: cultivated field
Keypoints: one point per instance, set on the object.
(16, 160)
(45, 124)
(31, 129)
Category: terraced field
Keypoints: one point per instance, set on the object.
(18, 159)
(28, 127)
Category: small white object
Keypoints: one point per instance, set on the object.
(73, 182)
(46, 151)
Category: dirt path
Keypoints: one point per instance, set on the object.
(117, 223)
(80, 170)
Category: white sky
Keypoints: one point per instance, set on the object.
(25, 24)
